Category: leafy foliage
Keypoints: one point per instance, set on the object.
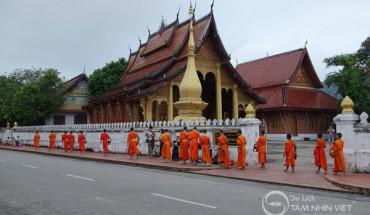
(30, 96)
(353, 79)
(105, 78)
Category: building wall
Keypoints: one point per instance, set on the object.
(301, 124)
(69, 118)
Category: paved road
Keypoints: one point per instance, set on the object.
(37, 184)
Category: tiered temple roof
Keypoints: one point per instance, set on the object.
(164, 56)
(270, 77)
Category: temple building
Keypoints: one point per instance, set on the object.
(72, 112)
(295, 103)
(182, 72)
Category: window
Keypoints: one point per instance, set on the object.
(59, 120)
(80, 119)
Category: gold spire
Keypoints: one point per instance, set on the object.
(191, 12)
(190, 104)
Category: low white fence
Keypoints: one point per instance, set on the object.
(119, 132)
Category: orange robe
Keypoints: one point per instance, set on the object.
(36, 140)
(319, 153)
(339, 162)
(289, 153)
(243, 152)
(193, 137)
(81, 141)
(166, 149)
(52, 138)
(204, 141)
(184, 146)
(132, 143)
(223, 154)
(71, 138)
(65, 141)
(104, 137)
(261, 148)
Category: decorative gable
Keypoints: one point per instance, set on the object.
(301, 78)
(207, 51)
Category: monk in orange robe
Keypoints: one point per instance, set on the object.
(52, 138)
(184, 146)
(104, 138)
(223, 154)
(81, 141)
(319, 153)
(339, 162)
(71, 139)
(132, 142)
(261, 149)
(36, 140)
(242, 152)
(166, 149)
(204, 141)
(193, 139)
(289, 153)
(65, 141)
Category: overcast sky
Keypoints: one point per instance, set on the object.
(69, 35)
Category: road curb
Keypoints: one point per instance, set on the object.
(102, 160)
(276, 183)
(352, 188)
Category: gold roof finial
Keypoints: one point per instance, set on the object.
(250, 112)
(347, 105)
(305, 44)
(191, 12)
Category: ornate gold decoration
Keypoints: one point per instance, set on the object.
(207, 51)
(8, 125)
(250, 112)
(15, 124)
(301, 78)
(347, 105)
(190, 105)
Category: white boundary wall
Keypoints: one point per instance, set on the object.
(356, 137)
(119, 131)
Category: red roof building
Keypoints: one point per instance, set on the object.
(150, 85)
(76, 97)
(295, 103)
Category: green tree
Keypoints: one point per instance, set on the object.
(30, 96)
(105, 78)
(353, 79)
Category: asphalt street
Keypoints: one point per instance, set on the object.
(38, 184)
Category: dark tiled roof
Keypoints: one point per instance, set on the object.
(163, 57)
(295, 98)
(71, 83)
(277, 69)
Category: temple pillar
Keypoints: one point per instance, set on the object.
(102, 113)
(218, 92)
(170, 104)
(135, 111)
(235, 102)
(156, 112)
(118, 111)
(124, 113)
(149, 108)
(109, 112)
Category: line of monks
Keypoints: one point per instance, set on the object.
(336, 152)
(190, 142)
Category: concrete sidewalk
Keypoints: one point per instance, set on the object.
(303, 177)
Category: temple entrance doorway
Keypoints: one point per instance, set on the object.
(227, 103)
(176, 98)
(208, 94)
